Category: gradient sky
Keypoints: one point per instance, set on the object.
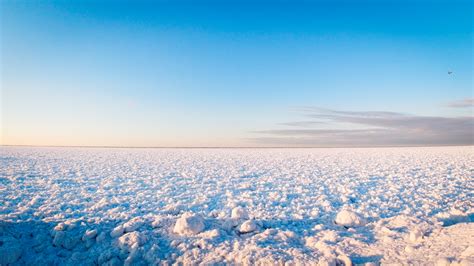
(236, 73)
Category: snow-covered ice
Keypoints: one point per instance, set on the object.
(89, 206)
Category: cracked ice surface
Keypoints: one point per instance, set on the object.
(256, 206)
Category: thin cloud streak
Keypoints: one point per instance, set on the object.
(464, 103)
(304, 124)
(378, 129)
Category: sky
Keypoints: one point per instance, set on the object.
(237, 73)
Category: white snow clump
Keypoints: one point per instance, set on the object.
(239, 213)
(248, 226)
(349, 219)
(189, 224)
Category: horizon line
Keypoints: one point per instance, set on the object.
(232, 147)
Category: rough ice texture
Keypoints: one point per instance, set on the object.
(250, 206)
(10, 249)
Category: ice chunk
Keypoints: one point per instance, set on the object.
(117, 231)
(133, 224)
(60, 227)
(239, 213)
(189, 224)
(156, 222)
(101, 237)
(248, 226)
(329, 236)
(211, 234)
(66, 240)
(318, 227)
(131, 241)
(349, 218)
(89, 234)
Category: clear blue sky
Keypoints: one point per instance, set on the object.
(236, 73)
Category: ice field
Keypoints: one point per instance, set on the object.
(99, 206)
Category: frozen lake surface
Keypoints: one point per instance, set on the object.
(95, 206)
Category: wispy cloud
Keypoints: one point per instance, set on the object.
(302, 123)
(371, 128)
(464, 103)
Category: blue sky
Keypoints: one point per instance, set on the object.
(236, 73)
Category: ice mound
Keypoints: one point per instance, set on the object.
(239, 213)
(66, 235)
(189, 224)
(117, 231)
(131, 241)
(349, 219)
(89, 234)
(132, 225)
(10, 250)
(248, 226)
